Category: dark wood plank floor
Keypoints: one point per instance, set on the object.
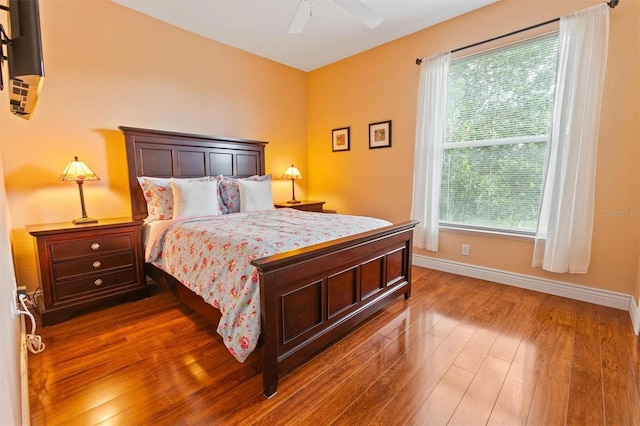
(461, 351)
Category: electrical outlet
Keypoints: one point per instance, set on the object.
(14, 304)
(465, 249)
(22, 290)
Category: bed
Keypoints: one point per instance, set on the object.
(308, 297)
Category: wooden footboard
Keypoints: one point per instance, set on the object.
(312, 296)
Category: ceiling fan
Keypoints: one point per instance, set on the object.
(356, 8)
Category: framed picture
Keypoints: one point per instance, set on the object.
(380, 134)
(340, 139)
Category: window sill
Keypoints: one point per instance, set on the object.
(487, 232)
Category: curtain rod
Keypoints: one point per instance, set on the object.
(611, 3)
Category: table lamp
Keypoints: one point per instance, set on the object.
(293, 174)
(79, 172)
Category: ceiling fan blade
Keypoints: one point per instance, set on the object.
(362, 12)
(303, 12)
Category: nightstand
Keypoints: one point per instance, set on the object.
(306, 205)
(85, 266)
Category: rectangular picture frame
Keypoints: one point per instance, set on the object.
(380, 134)
(340, 139)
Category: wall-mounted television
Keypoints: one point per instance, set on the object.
(24, 55)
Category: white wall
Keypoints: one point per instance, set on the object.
(10, 386)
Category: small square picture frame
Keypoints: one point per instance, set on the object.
(380, 134)
(340, 139)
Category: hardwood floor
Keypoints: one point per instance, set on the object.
(460, 351)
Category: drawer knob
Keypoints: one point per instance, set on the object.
(98, 282)
(97, 264)
(95, 246)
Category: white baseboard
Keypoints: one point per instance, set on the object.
(572, 291)
(24, 373)
(634, 311)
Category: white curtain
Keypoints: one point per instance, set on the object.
(563, 238)
(430, 130)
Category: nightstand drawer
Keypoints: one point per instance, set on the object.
(94, 283)
(82, 247)
(91, 264)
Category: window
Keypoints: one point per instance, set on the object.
(497, 123)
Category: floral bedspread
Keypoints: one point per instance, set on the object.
(212, 256)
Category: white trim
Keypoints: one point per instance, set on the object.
(513, 140)
(502, 233)
(24, 373)
(634, 311)
(597, 296)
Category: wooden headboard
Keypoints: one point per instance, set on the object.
(158, 153)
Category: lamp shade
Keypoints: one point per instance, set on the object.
(292, 173)
(77, 170)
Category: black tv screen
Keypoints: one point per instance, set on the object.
(24, 54)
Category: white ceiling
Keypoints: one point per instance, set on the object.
(331, 33)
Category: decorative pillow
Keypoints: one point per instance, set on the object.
(221, 206)
(147, 197)
(157, 192)
(255, 195)
(194, 198)
(231, 194)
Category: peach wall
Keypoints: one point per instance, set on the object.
(381, 84)
(106, 66)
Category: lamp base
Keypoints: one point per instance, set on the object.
(293, 202)
(84, 220)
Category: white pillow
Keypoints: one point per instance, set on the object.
(159, 196)
(255, 195)
(194, 198)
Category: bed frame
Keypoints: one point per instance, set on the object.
(308, 297)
